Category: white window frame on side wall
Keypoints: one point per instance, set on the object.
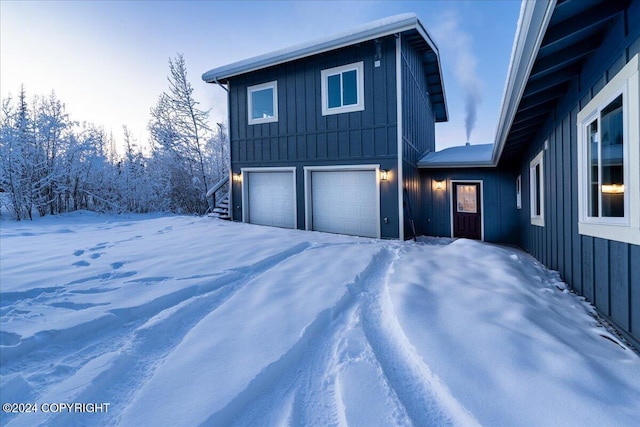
(519, 192)
(257, 88)
(324, 76)
(534, 190)
(627, 228)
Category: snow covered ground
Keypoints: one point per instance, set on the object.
(191, 321)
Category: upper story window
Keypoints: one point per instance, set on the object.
(608, 150)
(263, 103)
(536, 188)
(342, 89)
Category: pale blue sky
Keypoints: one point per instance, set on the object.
(108, 60)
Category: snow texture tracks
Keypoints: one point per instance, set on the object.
(124, 343)
(360, 332)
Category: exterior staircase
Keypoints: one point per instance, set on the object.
(220, 205)
(221, 209)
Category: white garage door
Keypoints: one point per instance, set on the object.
(271, 198)
(345, 202)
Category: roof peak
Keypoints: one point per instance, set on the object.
(367, 31)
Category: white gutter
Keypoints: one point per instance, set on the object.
(532, 26)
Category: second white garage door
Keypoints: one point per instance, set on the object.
(345, 202)
(271, 198)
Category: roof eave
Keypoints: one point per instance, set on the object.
(483, 164)
(222, 74)
(534, 20)
(427, 37)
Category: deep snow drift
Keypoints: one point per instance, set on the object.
(194, 321)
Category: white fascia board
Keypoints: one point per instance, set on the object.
(487, 164)
(373, 30)
(532, 26)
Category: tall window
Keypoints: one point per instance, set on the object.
(605, 151)
(263, 103)
(342, 89)
(519, 192)
(608, 158)
(536, 187)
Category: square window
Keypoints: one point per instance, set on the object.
(342, 89)
(263, 103)
(608, 184)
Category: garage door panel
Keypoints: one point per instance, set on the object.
(345, 202)
(271, 199)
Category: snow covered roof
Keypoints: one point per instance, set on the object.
(407, 22)
(465, 156)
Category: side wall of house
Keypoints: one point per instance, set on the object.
(500, 215)
(302, 136)
(606, 272)
(418, 132)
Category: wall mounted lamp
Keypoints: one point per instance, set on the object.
(384, 175)
(237, 177)
(440, 185)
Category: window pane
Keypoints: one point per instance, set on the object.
(262, 104)
(333, 91)
(466, 198)
(612, 160)
(594, 186)
(350, 87)
(537, 191)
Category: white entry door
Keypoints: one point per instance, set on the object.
(271, 198)
(345, 202)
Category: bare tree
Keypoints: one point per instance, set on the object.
(179, 129)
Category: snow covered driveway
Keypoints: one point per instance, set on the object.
(192, 321)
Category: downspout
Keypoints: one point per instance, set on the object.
(231, 206)
(399, 136)
(215, 80)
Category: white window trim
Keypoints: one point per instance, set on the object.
(519, 192)
(324, 74)
(308, 220)
(245, 174)
(269, 85)
(538, 160)
(627, 229)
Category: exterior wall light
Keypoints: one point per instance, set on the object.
(237, 177)
(440, 185)
(384, 175)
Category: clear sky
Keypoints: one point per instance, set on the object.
(108, 60)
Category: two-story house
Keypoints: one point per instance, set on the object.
(326, 135)
(338, 135)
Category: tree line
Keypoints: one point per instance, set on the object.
(50, 164)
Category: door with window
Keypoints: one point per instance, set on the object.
(467, 215)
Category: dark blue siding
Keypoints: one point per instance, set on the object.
(300, 115)
(606, 272)
(418, 130)
(498, 202)
(302, 136)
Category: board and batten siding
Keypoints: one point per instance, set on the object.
(499, 210)
(302, 136)
(418, 130)
(606, 272)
